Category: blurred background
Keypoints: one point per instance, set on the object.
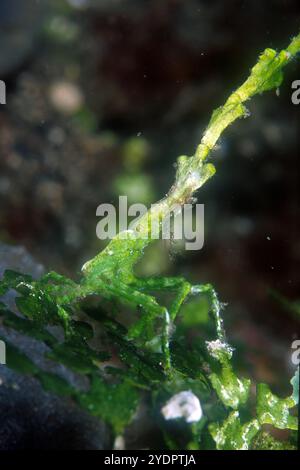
(102, 96)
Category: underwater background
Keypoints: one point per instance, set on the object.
(101, 98)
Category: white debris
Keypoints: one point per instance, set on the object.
(183, 405)
(119, 443)
(66, 97)
(216, 347)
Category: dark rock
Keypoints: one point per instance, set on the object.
(31, 418)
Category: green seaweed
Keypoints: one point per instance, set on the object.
(138, 331)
